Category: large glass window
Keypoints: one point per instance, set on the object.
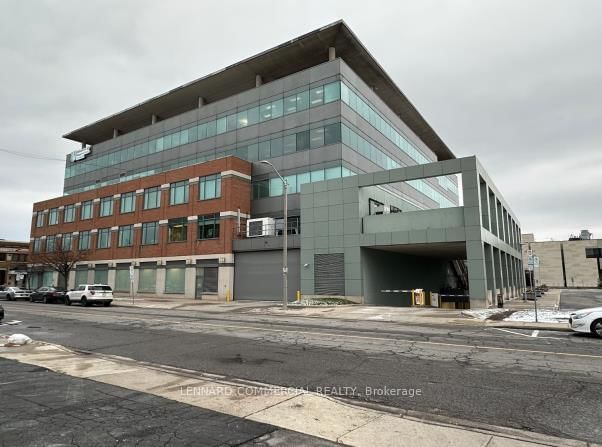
(53, 216)
(50, 241)
(104, 238)
(175, 276)
(69, 213)
(241, 118)
(150, 233)
(316, 137)
(122, 277)
(208, 226)
(177, 229)
(81, 276)
(126, 236)
(86, 212)
(66, 241)
(178, 192)
(84, 240)
(147, 277)
(101, 274)
(128, 202)
(210, 187)
(106, 206)
(332, 92)
(36, 245)
(40, 219)
(152, 198)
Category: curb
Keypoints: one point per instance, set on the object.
(560, 327)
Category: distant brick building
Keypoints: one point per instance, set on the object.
(13, 263)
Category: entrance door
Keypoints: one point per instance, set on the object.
(206, 281)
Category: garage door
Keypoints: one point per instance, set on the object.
(258, 275)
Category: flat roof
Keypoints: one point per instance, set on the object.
(290, 57)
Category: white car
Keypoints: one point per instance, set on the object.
(14, 293)
(87, 294)
(587, 320)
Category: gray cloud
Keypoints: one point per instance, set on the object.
(517, 83)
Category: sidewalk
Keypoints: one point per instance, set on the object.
(325, 416)
(402, 315)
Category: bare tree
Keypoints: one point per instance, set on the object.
(59, 260)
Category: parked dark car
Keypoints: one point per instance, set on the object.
(48, 295)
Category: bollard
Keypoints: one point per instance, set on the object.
(298, 295)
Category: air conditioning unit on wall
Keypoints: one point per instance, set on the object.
(264, 226)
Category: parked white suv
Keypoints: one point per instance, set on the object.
(87, 294)
(587, 320)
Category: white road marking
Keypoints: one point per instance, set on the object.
(535, 333)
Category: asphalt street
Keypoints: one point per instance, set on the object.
(42, 408)
(580, 299)
(547, 382)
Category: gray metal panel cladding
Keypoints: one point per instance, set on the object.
(329, 274)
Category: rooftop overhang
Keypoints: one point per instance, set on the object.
(290, 57)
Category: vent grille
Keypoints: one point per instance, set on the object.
(329, 274)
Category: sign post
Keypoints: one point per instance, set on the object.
(533, 262)
(132, 282)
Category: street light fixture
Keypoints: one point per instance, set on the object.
(285, 234)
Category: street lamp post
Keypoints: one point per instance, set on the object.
(285, 235)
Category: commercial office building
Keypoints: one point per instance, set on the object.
(318, 107)
(571, 263)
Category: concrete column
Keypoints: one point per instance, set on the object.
(111, 278)
(497, 267)
(115, 133)
(493, 213)
(489, 267)
(506, 272)
(477, 277)
(225, 282)
(332, 53)
(485, 206)
(202, 100)
(190, 281)
(154, 118)
(160, 281)
(258, 80)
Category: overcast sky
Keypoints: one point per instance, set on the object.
(517, 83)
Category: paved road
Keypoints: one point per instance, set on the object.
(40, 407)
(550, 383)
(580, 299)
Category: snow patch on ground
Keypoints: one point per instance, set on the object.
(482, 314)
(543, 315)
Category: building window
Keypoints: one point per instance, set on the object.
(175, 276)
(50, 240)
(101, 274)
(40, 219)
(177, 229)
(104, 238)
(69, 214)
(126, 236)
(106, 206)
(53, 216)
(84, 240)
(122, 277)
(178, 192)
(210, 187)
(36, 245)
(208, 226)
(66, 241)
(150, 233)
(128, 202)
(152, 198)
(86, 212)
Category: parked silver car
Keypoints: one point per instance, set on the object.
(14, 293)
